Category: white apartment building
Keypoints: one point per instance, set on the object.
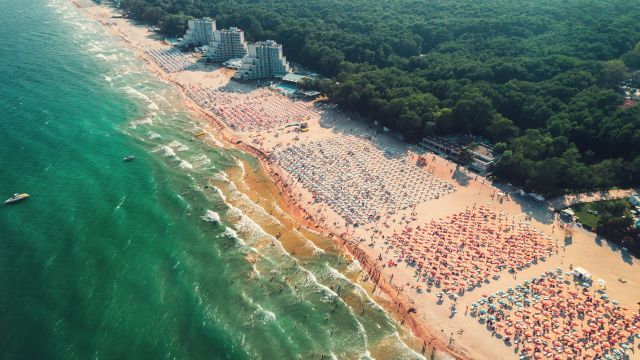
(227, 44)
(199, 33)
(265, 60)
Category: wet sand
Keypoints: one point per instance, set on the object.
(456, 336)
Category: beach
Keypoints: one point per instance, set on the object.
(364, 189)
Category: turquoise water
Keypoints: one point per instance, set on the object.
(288, 89)
(109, 259)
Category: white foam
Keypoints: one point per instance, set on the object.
(177, 146)
(133, 92)
(153, 136)
(166, 151)
(107, 58)
(242, 170)
(264, 316)
(200, 161)
(185, 165)
(217, 189)
(145, 121)
(215, 141)
(153, 106)
(221, 176)
(121, 202)
(229, 232)
(211, 216)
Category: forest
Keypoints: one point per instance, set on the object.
(540, 79)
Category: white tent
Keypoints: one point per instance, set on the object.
(580, 272)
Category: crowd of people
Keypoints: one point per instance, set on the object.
(261, 109)
(171, 59)
(357, 180)
(461, 251)
(546, 317)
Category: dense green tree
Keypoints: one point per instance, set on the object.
(539, 78)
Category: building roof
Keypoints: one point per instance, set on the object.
(294, 78)
(483, 151)
(310, 93)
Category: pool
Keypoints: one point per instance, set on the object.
(288, 89)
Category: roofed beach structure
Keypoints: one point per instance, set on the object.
(199, 33)
(227, 44)
(265, 60)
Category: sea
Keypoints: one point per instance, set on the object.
(183, 253)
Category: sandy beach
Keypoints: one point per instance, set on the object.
(368, 192)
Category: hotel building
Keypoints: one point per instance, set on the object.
(264, 61)
(199, 33)
(227, 44)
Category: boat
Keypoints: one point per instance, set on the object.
(16, 198)
(129, 158)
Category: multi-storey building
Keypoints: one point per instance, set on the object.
(264, 60)
(199, 33)
(227, 44)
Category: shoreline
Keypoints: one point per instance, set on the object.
(346, 247)
(389, 294)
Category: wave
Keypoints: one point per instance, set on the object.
(217, 189)
(144, 121)
(200, 161)
(177, 146)
(107, 58)
(263, 316)
(153, 136)
(166, 151)
(185, 165)
(120, 203)
(135, 93)
(211, 216)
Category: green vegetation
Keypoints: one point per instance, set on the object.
(611, 219)
(538, 78)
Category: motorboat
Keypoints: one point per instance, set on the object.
(16, 198)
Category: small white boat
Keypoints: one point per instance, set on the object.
(16, 198)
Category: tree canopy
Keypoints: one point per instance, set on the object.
(538, 78)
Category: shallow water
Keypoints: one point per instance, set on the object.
(172, 255)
